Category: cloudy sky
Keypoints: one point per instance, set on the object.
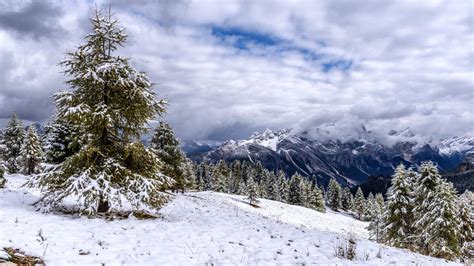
(229, 68)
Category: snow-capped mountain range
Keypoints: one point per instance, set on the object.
(351, 161)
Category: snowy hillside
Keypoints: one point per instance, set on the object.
(195, 228)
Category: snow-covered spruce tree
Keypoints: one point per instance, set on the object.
(166, 147)
(59, 141)
(359, 203)
(219, 177)
(189, 174)
(204, 176)
(13, 136)
(110, 103)
(465, 214)
(346, 199)
(398, 217)
(252, 191)
(283, 187)
(379, 200)
(272, 187)
(444, 226)
(258, 171)
(294, 192)
(31, 153)
(437, 224)
(306, 189)
(334, 194)
(316, 199)
(376, 226)
(263, 184)
(242, 188)
(370, 207)
(236, 178)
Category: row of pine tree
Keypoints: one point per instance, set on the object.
(423, 213)
(254, 181)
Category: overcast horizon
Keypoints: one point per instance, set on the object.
(230, 68)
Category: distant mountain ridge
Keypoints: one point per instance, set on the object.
(350, 161)
(463, 176)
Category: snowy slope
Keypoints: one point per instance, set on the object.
(196, 228)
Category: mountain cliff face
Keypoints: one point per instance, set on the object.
(350, 161)
(463, 176)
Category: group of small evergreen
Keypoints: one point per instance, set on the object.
(254, 181)
(366, 209)
(20, 152)
(424, 214)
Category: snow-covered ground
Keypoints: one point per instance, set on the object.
(196, 228)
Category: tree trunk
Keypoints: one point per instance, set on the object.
(103, 205)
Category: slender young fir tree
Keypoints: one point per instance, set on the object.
(370, 207)
(376, 226)
(166, 147)
(294, 193)
(346, 199)
(306, 191)
(316, 200)
(189, 174)
(398, 217)
(252, 191)
(272, 187)
(282, 187)
(236, 180)
(263, 184)
(31, 153)
(13, 136)
(219, 177)
(379, 200)
(334, 194)
(110, 103)
(359, 203)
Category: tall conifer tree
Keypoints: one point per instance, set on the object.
(398, 217)
(346, 199)
(110, 103)
(359, 203)
(437, 224)
(252, 191)
(334, 194)
(294, 193)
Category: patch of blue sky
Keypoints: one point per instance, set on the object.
(244, 40)
(243, 37)
(342, 65)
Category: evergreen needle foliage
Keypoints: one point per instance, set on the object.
(109, 103)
